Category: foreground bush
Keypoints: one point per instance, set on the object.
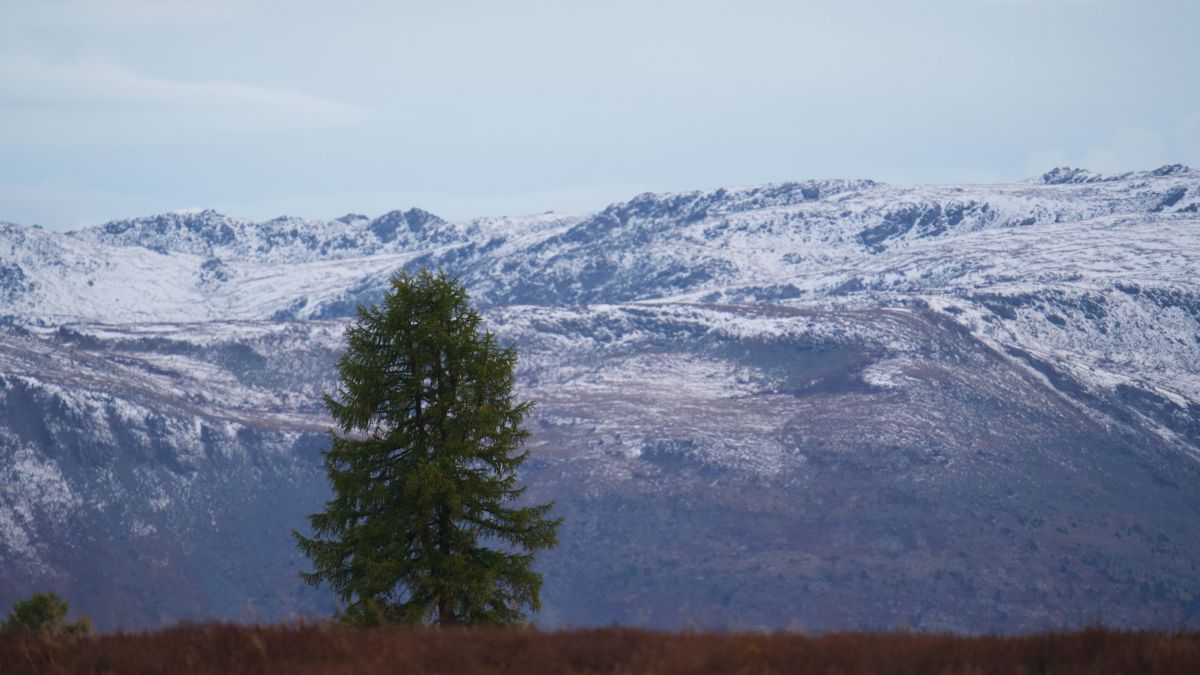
(314, 649)
(43, 614)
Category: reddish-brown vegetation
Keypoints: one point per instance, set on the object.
(316, 649)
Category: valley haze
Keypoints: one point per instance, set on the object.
(819, 405)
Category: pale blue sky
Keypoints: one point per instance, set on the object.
(123, 108)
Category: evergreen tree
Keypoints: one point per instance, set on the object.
(421, 528)
(43, 614)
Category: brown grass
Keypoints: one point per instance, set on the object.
(219, 648)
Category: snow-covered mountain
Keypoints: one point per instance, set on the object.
(819, 404)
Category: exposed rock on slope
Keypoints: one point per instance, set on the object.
(823, 404)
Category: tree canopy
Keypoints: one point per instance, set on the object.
(422, 527)
(44, 614)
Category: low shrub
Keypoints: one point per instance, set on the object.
(44, 614)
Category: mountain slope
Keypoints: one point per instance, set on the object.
(824, 404)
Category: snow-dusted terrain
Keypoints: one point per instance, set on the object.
(819, 404)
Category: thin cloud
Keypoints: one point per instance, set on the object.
(81, 106)
(1126, 149)
(1027, 3)
(91, 85)
(58, 206)
(115, 15)
(1189, 138)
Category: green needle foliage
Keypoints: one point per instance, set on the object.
(43, 614)
(421, 528)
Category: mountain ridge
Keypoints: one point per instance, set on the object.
(837, 404)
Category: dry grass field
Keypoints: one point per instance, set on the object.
(220, 648)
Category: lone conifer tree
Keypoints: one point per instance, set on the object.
(420, 528)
